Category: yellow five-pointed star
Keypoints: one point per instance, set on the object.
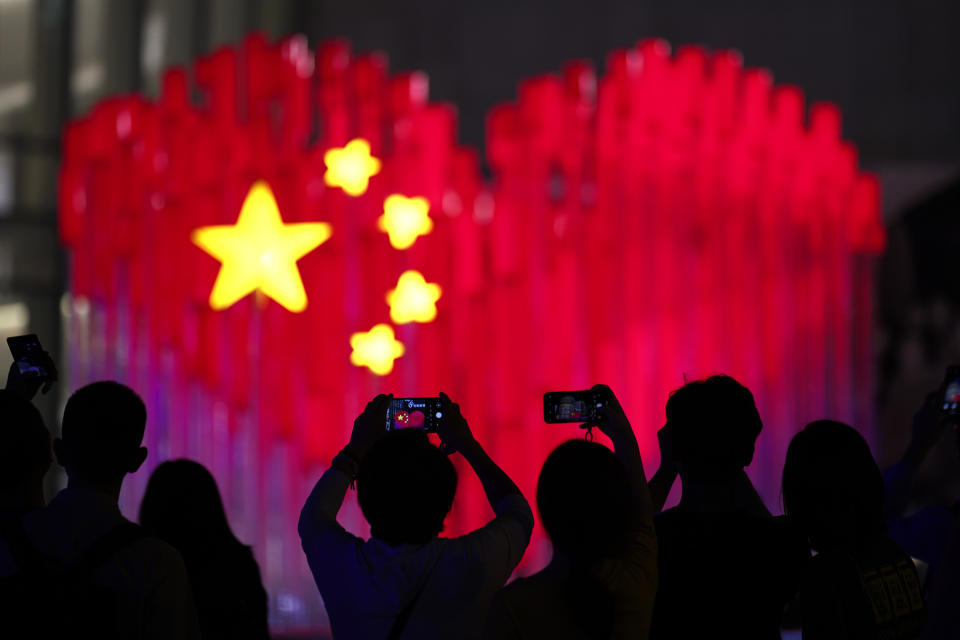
(414, 299)
(376, 349)
(260, 252)
(405, 219)
(350, 167)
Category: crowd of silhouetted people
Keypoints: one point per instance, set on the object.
(846, 560)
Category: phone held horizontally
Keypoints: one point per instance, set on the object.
(414, 413)
(572, 406)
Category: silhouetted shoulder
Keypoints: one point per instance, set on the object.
(733, 571)
(533, 607)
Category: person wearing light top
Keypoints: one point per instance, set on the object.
(406, 581)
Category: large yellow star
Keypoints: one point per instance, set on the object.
(350, 167)
(260, 252)
(405, 219)
(414, 299)
(376, 349)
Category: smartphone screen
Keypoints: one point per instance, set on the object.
(951, 391)
(28, 354)
(414, 413)
(571, 406)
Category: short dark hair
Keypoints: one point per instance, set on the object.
(102, 426)
(714, 424)
(585, 500)
(829, 470)
(24, 441)
(405, 487)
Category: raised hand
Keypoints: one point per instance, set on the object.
(452, 428)
(370, 425)
(612, 420)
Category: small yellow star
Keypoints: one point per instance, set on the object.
(414, 299)
(376, 349)
(350, 167)
(260, 252)
(405, 219)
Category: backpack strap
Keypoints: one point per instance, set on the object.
(106, 546)
(400, 622)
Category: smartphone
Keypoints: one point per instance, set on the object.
(572, 406)
(29, 356)
(951, 391)
(414, 413)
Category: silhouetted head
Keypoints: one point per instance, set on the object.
(832, 487)
(584, 500)
(405, 487)
(713, 425)
(182, 506)
(101, 433)
(24, 449)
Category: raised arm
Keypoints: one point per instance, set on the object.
(614, 425)
(327, 496)
(662, 481)
(929, 425)
(455, 434)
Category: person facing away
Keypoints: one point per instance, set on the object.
(182, 506)
(860, 584)
(406, 581)
(103, 576)
(596, 508)
(922, 532)
(24, 460)
(727, 568)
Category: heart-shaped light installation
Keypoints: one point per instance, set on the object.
(674, 218)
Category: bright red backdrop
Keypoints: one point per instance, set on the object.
(677, 217)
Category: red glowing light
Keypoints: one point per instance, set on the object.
(674, 217)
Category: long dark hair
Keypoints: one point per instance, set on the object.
(585, 504)
(832, 486)
(182, 506)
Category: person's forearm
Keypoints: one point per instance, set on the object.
(897, 488)
(660, 485)
(628, 451)
(325, 500)
(496, 483)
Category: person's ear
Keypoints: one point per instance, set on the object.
(61, 452)
(137, 460)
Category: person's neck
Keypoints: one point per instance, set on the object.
(111, 488)
(708, 497)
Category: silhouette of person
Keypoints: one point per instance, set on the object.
(112, 581)
(726, 567)
(596, 508)
(923, 534)
(24, 460)
(182, 506)
(860, 584)
(406, 581)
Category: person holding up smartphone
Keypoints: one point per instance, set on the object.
(25, 454)
(406, 580)
(596, 508)
(32, 368)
